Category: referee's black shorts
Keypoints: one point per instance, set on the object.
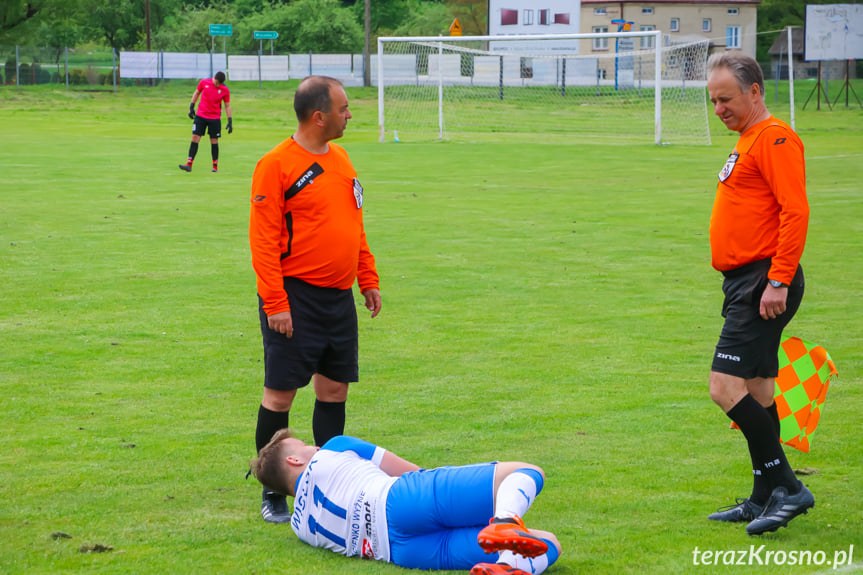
(324, 341)
(749, 345)
(202, 125)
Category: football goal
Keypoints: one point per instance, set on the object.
(623, 87)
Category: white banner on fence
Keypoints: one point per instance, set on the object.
(245, 68)
(345, 67)
(176, 65)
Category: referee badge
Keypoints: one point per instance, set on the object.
(729, 166)
(358, 193)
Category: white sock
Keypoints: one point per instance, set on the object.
(515, 494)
(535, 565)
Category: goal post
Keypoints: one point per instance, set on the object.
(626, 86)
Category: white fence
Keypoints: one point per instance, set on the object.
(243, 68)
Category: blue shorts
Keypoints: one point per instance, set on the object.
(435, 515)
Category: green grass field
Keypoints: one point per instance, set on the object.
(548, 303)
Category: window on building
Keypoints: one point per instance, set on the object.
(528, 18)
(647, 42)
(600, 11)
(508, 17)
(561, 18)
(600, 43)
(733, 11)
(732, 36)
(544, 19)
(675, 25)
(647, 10)
(705, 25)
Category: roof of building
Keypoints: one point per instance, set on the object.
(798, 38)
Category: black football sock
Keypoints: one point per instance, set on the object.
(773, 412)
(269, 422)
(193, 151)
(214, 150)
(764, 447)
(328, 420)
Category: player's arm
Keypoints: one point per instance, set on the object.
(229, 114)
(394, 466)
(389, 462)
(193, 102)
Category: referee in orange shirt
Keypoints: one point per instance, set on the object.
(308, 248)
(757, 235)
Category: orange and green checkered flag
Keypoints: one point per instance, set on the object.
(805, 370)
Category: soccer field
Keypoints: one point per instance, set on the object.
(552, 303)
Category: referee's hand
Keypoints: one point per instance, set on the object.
(373, 301)
(192, 111)
(282, 323)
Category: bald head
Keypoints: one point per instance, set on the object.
(313, 95)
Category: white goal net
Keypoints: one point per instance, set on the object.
(622, 87)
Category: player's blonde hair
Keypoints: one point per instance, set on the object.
(269, 466)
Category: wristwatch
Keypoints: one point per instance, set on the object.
(777, 284)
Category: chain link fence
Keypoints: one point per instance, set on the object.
(73, 68)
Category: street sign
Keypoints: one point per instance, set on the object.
(455, 28)
(221, 30)
(266, 35)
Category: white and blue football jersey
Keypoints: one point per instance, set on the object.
(340, 501)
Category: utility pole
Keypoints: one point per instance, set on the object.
(367, 58)
(147, 18)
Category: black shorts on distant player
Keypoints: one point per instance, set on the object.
(203, 126)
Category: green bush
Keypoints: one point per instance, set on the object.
(42, 75)
(77, 77)
(25, 74)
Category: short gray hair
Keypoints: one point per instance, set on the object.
(744, 68)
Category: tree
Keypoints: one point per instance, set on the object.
(59, 34)
(471, 14)
(120, 24)
(16, 12)
(429, 19)
(189, 30)
(386, 15)
(323, 26)
(306, 25)
(20, 19)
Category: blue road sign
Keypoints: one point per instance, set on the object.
(221, 30)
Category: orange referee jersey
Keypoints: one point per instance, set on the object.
(306, 222)
(761, 210)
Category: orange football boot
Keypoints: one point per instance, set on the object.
(511, 534)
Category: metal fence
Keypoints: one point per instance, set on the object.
(73, 68)
(248, 67)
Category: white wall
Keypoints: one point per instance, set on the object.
(519, 17)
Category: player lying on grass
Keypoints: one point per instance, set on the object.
(356, 498)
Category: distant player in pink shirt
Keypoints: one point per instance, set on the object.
(209, 117)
